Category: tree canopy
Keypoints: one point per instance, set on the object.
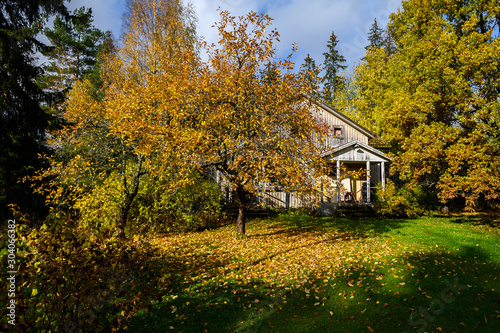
(436, 97)
(256, 129)
(109, 143)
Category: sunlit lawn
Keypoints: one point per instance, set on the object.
(295, 273)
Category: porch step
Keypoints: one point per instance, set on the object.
(356, 211)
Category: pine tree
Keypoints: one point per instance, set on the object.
(311, 73)
(333, 64)
(75, 44)
(375, 36)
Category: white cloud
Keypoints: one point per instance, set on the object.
(308, 23)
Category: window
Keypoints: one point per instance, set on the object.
(338, 131)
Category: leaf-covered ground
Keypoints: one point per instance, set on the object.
(295, 273)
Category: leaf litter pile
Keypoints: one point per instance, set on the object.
(315, 276)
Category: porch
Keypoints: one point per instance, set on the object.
(357, 169)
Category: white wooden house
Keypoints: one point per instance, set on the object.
(355, 164)
(350, 147)
(349, 152)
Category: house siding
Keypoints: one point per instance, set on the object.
(349, 132)
(359, 154)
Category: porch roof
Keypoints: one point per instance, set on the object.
(355, 151)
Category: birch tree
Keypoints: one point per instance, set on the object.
(137, 127)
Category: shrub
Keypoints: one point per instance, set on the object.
(99, 208)
(195, 205)
(158, 206)
(398, 201)
(72, 282)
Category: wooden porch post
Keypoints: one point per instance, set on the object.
(368, 199)
(338, 182)
(382, 174)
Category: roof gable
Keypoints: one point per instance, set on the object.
(356, 151)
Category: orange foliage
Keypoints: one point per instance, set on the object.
(255, 123)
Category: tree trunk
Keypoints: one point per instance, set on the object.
(122, 218)
(128, 197)
(240, 222)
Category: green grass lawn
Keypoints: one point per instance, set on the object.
(295, 273)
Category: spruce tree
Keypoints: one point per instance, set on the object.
(23, 122)
(311, 73)
(375, 36)
(333, 64)
(388, 43)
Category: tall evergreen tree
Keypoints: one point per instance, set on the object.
(107, 48)
(333, 65)
(311, 72)
(73, 53)
(270, 74)
(375, 36)
(23, 122)
(388, 43)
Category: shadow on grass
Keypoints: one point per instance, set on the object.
(487, 219)
(430, 291)
(427, 292)
(296, 224)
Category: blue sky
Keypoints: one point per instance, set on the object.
(309, 23)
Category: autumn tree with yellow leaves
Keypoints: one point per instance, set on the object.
(255, 119)
(136, 129)
(436, 98)
(166, 112)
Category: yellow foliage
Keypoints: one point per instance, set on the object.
(99, 207)
(137, 128)
(164, 109)
(435, 99)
